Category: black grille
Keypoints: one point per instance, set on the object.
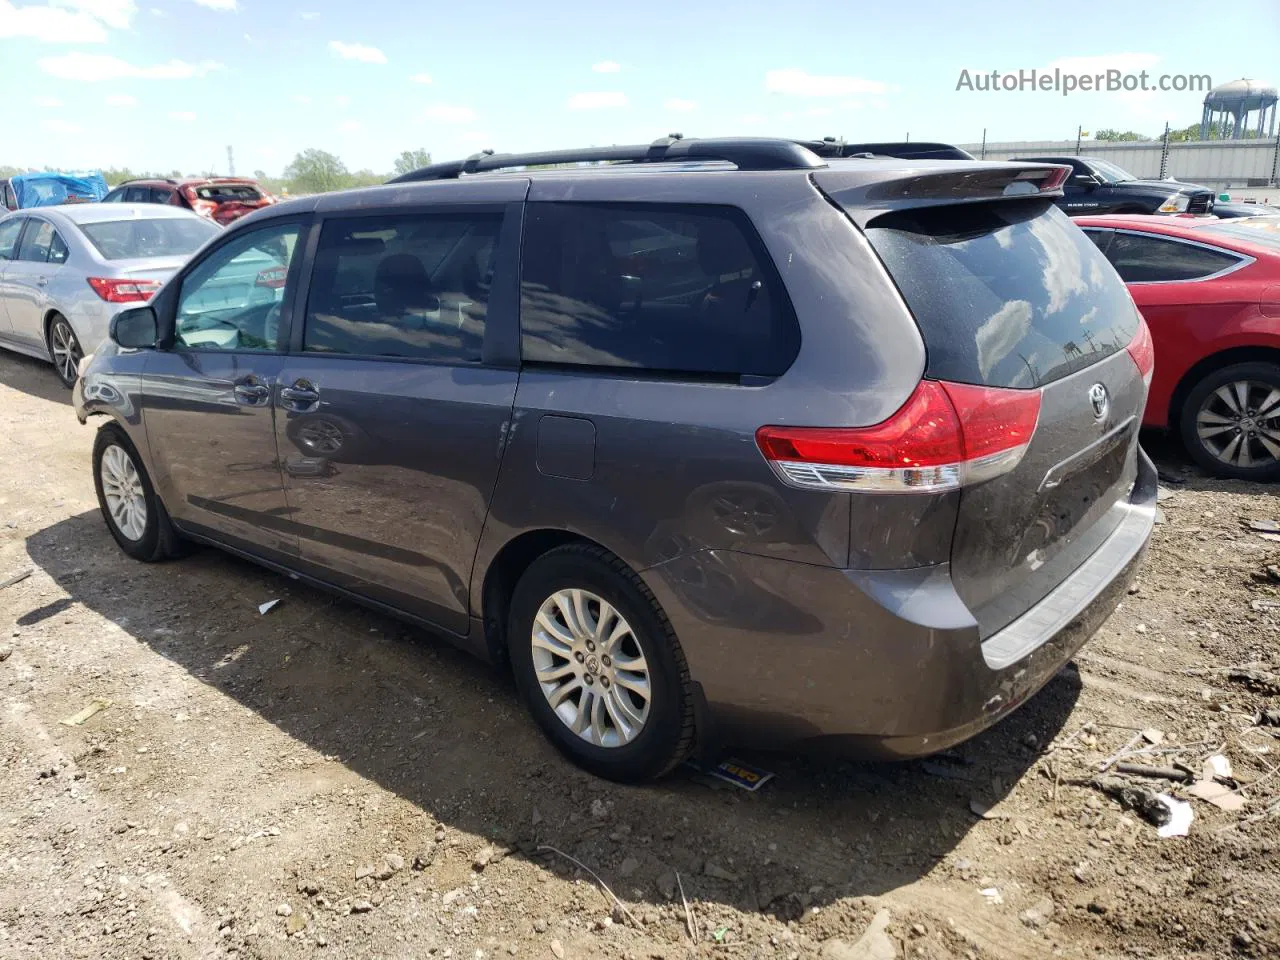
(1200, 203)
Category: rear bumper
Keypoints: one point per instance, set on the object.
(878, 663)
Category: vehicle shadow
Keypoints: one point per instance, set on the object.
(416, 717)
(33, 377)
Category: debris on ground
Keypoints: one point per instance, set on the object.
(1141, 800)
(93, 709)
(265, 608)
(1217, 794)
(16, 578)
(1180, 816)
(741, 774)
(993, 895)
(1263, 526)
(874, 944)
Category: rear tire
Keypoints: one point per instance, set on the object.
(1230, 421)
(64, 349)
(134, 514)
(612, 667)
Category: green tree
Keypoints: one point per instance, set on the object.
(316, 171)
(410, 160)
(1117, 135)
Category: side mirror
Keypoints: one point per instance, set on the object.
(1086, 180)
(136, 329)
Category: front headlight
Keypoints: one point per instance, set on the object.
(1175, 204)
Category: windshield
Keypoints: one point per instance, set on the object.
(136, 239)
(1262, 230)
(1110, 172)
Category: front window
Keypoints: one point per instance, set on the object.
(1110, 172)
(232, 300)
(134, 239)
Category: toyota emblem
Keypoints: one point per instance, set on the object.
(1100, 401)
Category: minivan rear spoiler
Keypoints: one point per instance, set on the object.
(866, 192)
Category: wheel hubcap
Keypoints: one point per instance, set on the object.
(322, 436)
(590, 667)
(122, 489)
(66, 350)
(1239, 424)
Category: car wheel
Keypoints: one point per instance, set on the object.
(599, 666)
(64, 349)
(134, 514)
(1231, 422)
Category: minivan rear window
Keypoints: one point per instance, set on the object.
(1006, 294)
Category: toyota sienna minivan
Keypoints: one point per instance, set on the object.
(707, 441)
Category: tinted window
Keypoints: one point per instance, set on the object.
(10, 199)
(226, 192)
(1141, 259)
(162, 237)
(160, 194)
(58, 251)
(231, 300)
(1101, 238)
(655, 287)
(137, 195)
(9, 232)
(115, 196)
(36, 241)
(409, 286)
(1009, 294)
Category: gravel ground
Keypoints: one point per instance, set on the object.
(324, 781)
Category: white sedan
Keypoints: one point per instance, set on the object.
(66, 271)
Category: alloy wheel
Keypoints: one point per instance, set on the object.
(1239, 424)
(122, 489)
(591, 668)
(66, 350)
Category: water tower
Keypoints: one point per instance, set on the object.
(1231, 109)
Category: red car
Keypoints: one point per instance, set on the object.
(1210, 292)
(221, 199)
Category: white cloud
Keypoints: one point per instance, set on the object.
(422, 78)
(121, 100)
(357, 51)
(49, 24)
(92, 67)
(606, 66)
(677, 105)
(225, 5)
(309, 15)
(182, 116)
(157, 12)
(800, 83)
(447, 113)
(301, 98)
(49, 103)
(113, 13)
(1124, 62)
(60, 126)
(597, 101)
(342, 100)
(350, 126)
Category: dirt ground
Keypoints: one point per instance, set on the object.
(324, 781)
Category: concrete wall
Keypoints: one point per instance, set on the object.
(1215, 163)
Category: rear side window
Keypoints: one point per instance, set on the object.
(1009, 294)
(414, 286)
(37, 241)
(1146, 259)
(161, 194)
(662, 288)
(137, 195)
(9, 233)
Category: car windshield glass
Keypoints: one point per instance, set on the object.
(1261, 230)
(133, 239)
(229, 192)
(1110, 172)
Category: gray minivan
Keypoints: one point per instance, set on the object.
(710, 441)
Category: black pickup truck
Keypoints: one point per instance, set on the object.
(1096, 186)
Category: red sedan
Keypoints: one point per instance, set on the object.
(1210, 292)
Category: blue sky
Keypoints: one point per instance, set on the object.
(163, 84)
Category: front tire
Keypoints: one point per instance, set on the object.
(64, 349)
(599, 666)
(1230, 422)
(133, 513)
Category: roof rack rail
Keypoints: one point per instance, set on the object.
(902, 149)
(746, 153)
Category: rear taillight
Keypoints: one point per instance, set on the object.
(1143, 351)
(272, 278)
(119, 290)
(945, 435)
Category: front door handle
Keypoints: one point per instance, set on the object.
(252, 392)
(302, 394)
